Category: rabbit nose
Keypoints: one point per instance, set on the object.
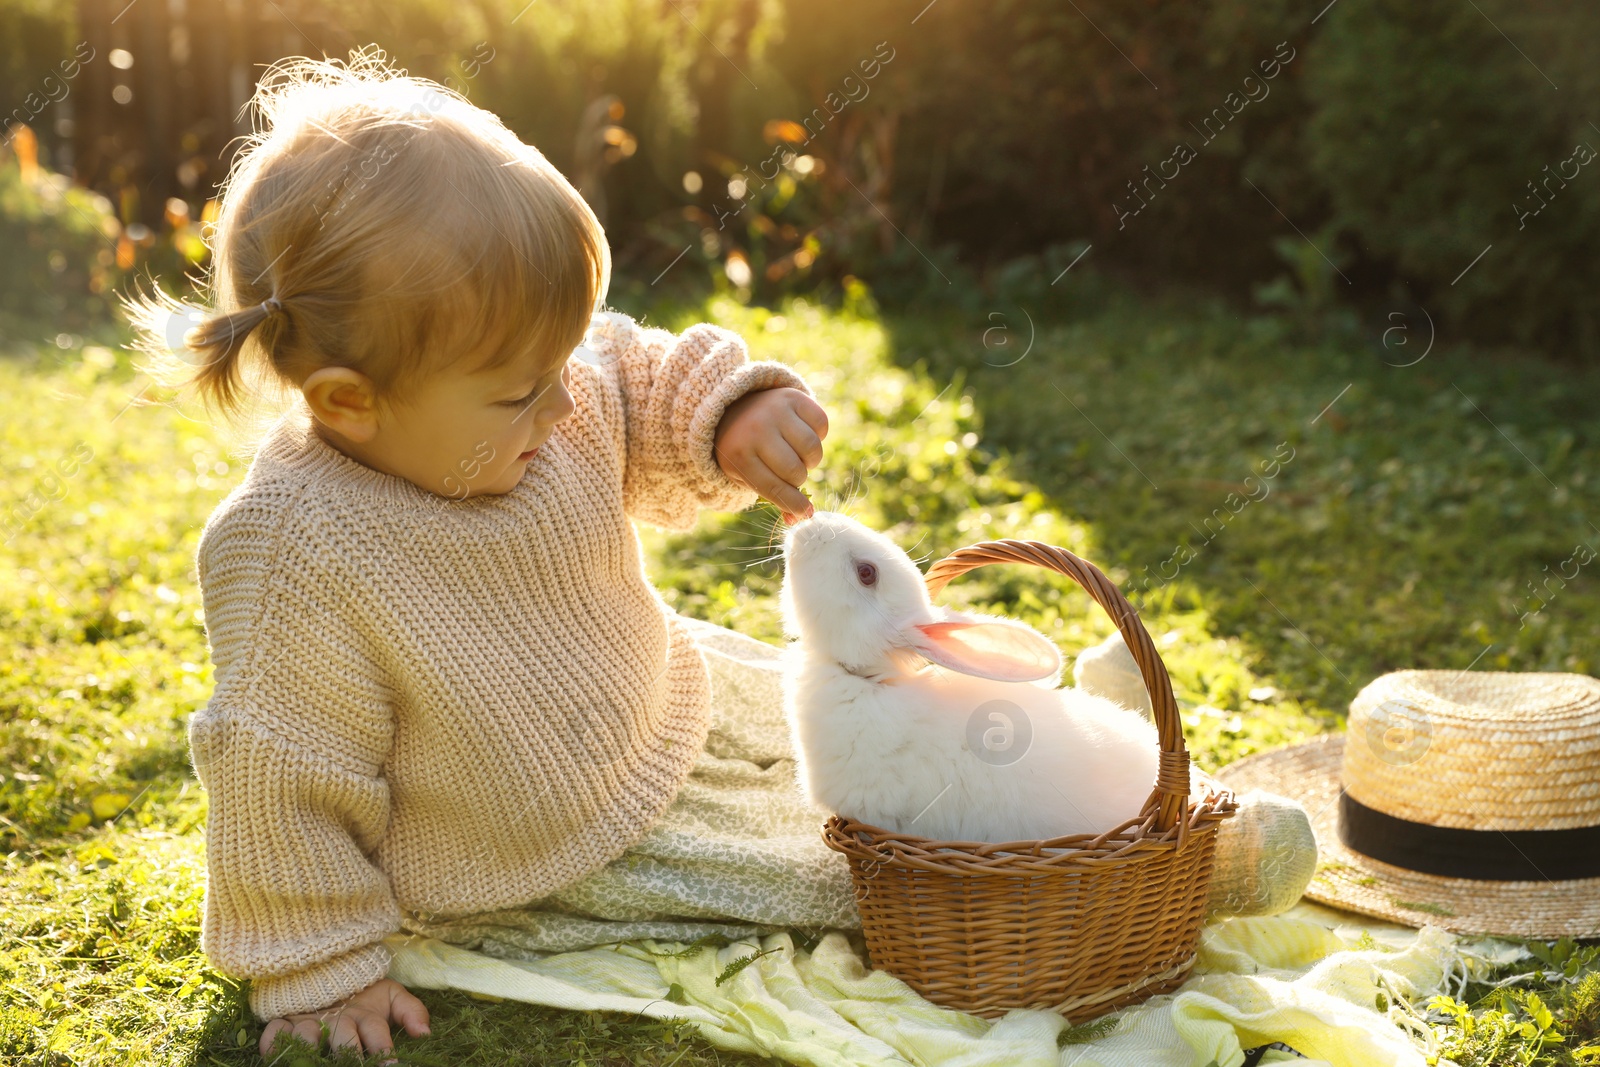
(816, 520)
(812, 530)
(805, 533)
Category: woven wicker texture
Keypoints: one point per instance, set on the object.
(1080, 924)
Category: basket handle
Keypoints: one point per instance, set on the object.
(1171, 793)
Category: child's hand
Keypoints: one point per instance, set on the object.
(768, 441)
(360, 1022)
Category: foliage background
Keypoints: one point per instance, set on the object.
(1401, 138)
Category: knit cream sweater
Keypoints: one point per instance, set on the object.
(449, 706)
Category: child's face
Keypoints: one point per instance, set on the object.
(477, 433)
(459, 434)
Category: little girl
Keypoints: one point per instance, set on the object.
(444, 685)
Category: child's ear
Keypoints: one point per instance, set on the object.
(343, 400)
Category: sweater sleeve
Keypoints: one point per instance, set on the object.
(674, 390)
(292, 900)
(290, 749)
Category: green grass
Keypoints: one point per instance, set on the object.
(1402, 533)
(1422, 522)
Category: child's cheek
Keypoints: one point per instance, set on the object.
(483, 453)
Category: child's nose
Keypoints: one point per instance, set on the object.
(559, 411)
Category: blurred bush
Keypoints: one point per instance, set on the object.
(68, 249)
(785, 149)
(1439, 134)
(939, 152)
(60, 246)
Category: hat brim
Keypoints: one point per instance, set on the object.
(1309, 774)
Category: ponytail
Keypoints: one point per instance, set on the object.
(220, 341)
(205, 352)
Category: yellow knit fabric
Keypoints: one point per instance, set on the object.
(450, 706)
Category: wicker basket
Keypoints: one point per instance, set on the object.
(1080, 924)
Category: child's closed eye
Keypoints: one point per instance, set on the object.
(538, 391)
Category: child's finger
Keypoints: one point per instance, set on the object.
(803, 438)
(270, 1035)
(309, 1031)
(410, 1012)
(813, 414)
(783, 460)
(374, 1030)
(345, 1033)
(776, 489)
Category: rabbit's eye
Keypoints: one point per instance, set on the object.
(867, 573)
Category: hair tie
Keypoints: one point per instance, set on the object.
(272, 305)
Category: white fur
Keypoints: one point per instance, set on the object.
(881, 729)
(1109, 670)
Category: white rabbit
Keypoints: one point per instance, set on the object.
(1109, 670)
(937, 723)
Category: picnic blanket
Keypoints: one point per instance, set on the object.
(1306, 979)
(735, 871)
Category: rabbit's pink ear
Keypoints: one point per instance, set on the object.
(1002, 651)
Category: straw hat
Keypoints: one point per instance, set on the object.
(1466, 800)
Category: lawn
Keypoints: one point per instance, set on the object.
(1416, 517)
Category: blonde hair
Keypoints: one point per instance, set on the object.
(379, 222)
